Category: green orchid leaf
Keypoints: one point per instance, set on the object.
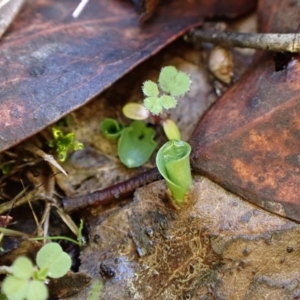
(22, 268)
(173, 82)
(136, 144)
(168, 101)
(153, 104)
(111, 128)
(52, 257)
(171, 130)
(150, 89)
(36, 291)
(173, 163)
(14, 288)
(135, 111)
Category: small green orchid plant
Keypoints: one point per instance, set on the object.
(173, 158)
(26, 281)
(64, 143)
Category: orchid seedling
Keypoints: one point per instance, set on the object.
(136, 141)
(64, 143)
(26, 281)
(160, 97)
(173, 163)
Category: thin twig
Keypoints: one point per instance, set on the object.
(112, 193)
(285, 42)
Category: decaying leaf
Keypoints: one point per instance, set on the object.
(218, 245)
(249, 141)
(51, 63)
(8, 11)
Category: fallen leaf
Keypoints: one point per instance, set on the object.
(249, 141)
(51, 63)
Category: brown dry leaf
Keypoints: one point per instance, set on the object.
(51, 63)
(249, 141)
(220, 245)
(9, 9)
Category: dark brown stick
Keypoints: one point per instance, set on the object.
(112, 193)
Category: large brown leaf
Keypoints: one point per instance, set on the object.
(249, 141)
(51, 64)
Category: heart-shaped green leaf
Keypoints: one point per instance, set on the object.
(22, 268)
(52, 257)
(136, 144)
(14, 288)
(173, 82)
(153, 104)
(36, 290)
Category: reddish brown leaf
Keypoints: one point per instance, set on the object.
(249, 141)
(51, 64)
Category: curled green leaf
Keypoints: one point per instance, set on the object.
(111, 128)
(173, 163)
(136, 144)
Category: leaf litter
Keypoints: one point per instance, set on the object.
(145, 249)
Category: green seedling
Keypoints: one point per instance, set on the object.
(136, 144)
(26, 281)
(111, 129)
(64, 143)
(136, 141)
(171, 84)
(173, 163)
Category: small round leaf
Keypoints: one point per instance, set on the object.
(150, 89)
(52, 257)
(181, 85)
(167, 78)
(153, 104)
(168, 101)
(22, 268)
(14, 288)
(135, 111)
(36, 291)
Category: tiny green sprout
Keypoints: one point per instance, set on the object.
(5, 168)
(136, 144)
(28, 282)
(173, 163)
(172, 83)
(111, 129)
(64, 143)
(171, 130)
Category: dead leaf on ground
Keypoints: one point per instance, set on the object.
(249, 141)
(217, 246)
(51, 64)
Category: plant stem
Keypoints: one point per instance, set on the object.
(285, 42)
